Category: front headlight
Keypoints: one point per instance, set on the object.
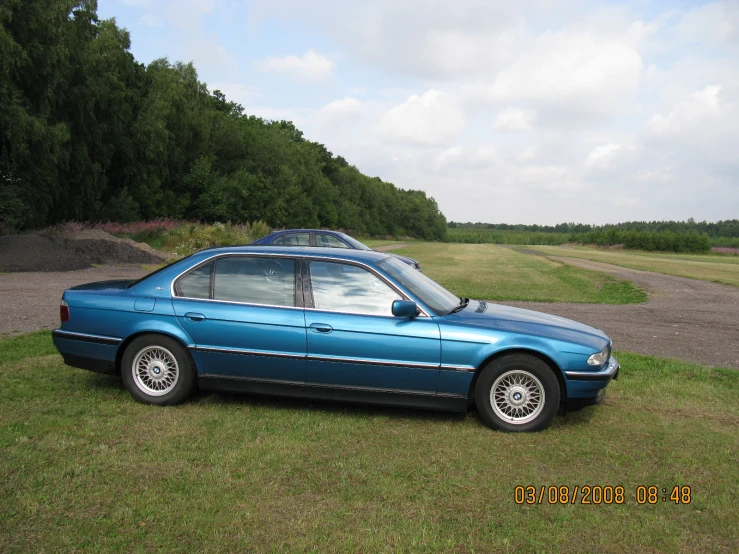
(600, 358)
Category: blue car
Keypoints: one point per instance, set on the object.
(330, 324)
(322, 238)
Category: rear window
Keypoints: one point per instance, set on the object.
(247, 279)
(255, 280)
(196, 283)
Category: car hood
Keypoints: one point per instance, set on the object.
(103, 285)
(518, 320)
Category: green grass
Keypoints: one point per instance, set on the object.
(84, 467)
(706, 267)
(492, 272)
(374, 243)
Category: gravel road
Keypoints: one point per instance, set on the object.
(692, 320)
(683, 318)
(30, 300)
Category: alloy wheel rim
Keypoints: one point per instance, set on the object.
(517, 397)
(155, 370)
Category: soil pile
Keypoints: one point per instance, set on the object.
(41, 253)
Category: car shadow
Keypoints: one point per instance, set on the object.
(328, 406)
(569, 418)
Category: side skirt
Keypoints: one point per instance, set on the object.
(362, 395)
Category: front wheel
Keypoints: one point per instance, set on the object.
(517, 392)
(157, 370)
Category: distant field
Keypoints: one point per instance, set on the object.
(84, 467)
(469, 235)
(719, 269)
(499, 273)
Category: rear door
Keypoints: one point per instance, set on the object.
(354, 340)
(246, 317)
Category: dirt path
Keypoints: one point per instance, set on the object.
(30, 300)
(684, 318)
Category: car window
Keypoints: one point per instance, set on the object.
(323, 239)
(195, 284)
(279, 240)
(341, 287)
(255, 280)
(297, 239)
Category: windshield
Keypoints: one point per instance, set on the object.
(431, 293)
(354, 242)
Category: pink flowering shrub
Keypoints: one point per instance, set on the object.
(726, 251)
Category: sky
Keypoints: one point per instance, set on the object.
(533, 111)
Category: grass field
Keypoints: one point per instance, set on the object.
(84, 467)
(707, 267)
(500, 273)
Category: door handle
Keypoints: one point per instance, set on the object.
(321, 327)
(192, 316)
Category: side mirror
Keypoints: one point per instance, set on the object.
(404, 308)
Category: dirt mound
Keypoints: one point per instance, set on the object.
(99, 234)
(108, 251)
(36, 253)
(40, 253)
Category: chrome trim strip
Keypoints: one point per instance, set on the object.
(247, 352)
(340, 359)
(293, 256)
(448, 367)
(85, 337)
(604, 375)
(451, 395)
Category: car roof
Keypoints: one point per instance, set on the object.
(305, 231)
(367, 256)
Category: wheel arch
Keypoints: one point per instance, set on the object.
(128, 340)
(535, 353)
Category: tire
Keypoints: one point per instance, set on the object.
(526, 390)
(166, 374)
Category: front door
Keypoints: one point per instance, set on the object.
(245, 317)
(354, 340)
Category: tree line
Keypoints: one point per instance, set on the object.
(87, 133)
(727, 228)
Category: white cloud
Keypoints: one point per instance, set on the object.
(515, 119)
(601, 156)
(569, 70)
(701, 106)
(311, 66)
(431, 119)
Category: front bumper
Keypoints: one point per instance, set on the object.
(610, 371)
(590, 385)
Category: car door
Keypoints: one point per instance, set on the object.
(245, 317)
(355, 341)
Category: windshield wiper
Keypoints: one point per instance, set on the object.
(462, 305)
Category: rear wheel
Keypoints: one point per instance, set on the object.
(157, 370)
(517, 392)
